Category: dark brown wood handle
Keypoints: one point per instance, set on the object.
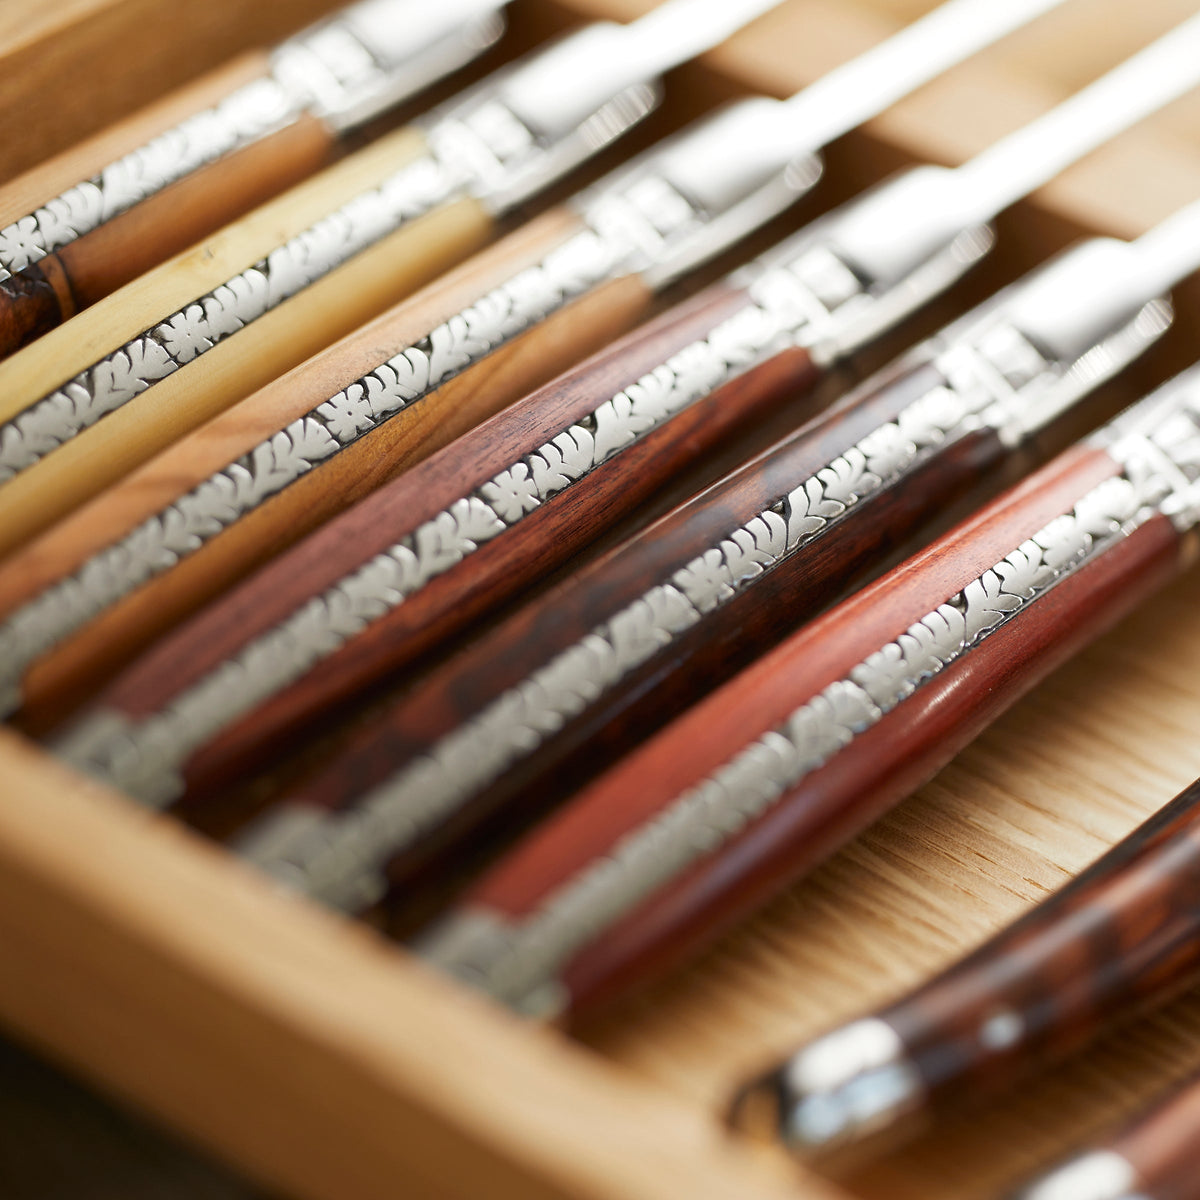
(1123, 936)
(707, 589)
(769, 775)
(58, 286)
(435, 505)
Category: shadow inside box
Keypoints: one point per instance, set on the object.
(61, 1141)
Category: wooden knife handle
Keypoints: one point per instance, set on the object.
(48, 292)
(438, 506)
(608, 657)
(769, 775)
(1122, 937)
(119, 572)
(1152, 1158)
(163, 389)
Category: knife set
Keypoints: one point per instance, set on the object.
(634, 581)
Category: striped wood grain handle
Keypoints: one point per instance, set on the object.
(773, 772)
(1122, 937)
(434, 541)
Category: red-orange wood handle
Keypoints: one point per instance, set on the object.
(464, 566)
(772, 773)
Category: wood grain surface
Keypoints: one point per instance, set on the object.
(499, 571)
(348, 1046)
(1068, 771)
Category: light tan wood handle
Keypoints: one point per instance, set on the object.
(181, 378)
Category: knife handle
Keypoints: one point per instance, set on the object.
(1122, 937)
(772, 773)
(421, 504)
(204, 382)
(661, 661)
(102, 584)
(48, 292)
(1152, 1158)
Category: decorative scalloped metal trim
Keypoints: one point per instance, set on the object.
(343, 861)
(518, 959)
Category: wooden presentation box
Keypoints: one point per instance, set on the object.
(323, 1063)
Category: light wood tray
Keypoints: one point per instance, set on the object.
(325, 1064)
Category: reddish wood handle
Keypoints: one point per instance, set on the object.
(1162, 1147)
(791, 759)
(457, 592)
(637, 700)
(1123, 936)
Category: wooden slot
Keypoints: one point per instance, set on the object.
(162, 971)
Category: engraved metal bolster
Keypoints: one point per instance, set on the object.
(374, 54)
(1160, 438)
(520, 958)
(836, 1090)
